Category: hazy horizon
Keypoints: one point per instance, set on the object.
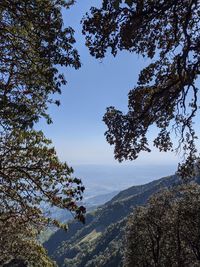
(101, 179)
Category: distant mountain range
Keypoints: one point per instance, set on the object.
(99, 243)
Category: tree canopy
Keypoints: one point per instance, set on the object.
(31, 174)
(34, 44)
(166, 231)
(168, 33)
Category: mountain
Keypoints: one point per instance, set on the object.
(99, 199)
(99, 243)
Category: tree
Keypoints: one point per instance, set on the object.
(33, 45)
(168, 33)
(166, 231)
(31, 174)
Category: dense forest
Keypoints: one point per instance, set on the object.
(152, 225)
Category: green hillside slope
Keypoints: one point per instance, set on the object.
(99, 243)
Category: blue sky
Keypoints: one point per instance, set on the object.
(78, 130)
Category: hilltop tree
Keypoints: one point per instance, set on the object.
(166, 231)
(34, 43)
(168, 33)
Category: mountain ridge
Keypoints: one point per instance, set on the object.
(99, 242)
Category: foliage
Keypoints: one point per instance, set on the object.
(31, 174)
(17, 241)
(34, 44)
(166, 32)
(166, 231)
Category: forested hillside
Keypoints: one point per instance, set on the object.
(100, 241)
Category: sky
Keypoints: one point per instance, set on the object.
(77, 131)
